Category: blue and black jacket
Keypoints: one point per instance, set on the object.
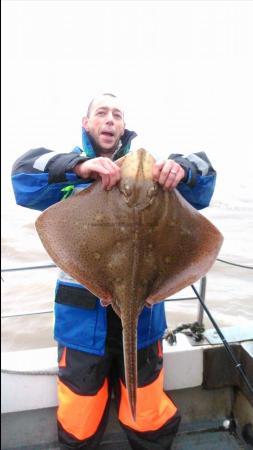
(42, 177)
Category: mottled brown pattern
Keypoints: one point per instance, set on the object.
(131, 246)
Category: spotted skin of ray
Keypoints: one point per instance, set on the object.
(132, 246)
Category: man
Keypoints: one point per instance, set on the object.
(88, 334)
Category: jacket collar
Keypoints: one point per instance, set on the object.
(89, 151)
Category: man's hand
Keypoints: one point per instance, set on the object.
(168, 174)
(99, 167)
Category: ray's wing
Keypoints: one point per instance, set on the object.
(80, 234)
(186, 246)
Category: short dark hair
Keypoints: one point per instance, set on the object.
(91, 103)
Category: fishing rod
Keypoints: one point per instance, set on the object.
(225, 342)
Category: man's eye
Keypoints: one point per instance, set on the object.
(118, 116)
(100, 113)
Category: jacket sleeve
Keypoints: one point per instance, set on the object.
(200, 177)
(39, 176)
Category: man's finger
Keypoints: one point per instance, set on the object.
(105, 180)
(175, 175)
(103, 168)
(166, 176)
(157, 167)
(113, 172)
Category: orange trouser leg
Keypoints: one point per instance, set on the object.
(83, 394)
(157, 418)
(153, 407)
(80, 415)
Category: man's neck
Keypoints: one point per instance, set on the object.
(106, 154)
(100, 152)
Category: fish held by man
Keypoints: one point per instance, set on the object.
(131, 246)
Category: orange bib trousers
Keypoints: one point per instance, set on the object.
(85, 384)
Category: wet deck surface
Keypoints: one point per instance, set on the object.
(207, 440)
(194, 441)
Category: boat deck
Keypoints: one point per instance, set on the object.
(194, 435)
(189, 441)
(198, 440)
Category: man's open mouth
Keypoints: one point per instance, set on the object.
(107, 133)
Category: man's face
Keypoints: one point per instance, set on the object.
(105, 122)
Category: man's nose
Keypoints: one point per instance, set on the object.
(109, 117)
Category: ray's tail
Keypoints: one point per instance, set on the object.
(130, 361)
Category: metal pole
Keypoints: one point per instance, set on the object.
(203, 296)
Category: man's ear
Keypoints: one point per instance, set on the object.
(85, 123)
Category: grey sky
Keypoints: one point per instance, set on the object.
(183, 69)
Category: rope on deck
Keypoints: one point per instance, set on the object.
(51, 372)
